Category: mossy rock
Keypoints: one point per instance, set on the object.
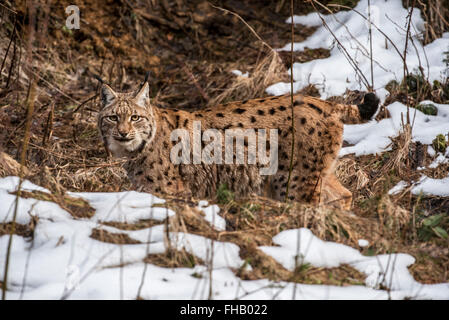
(427, 108)
(416, 85)
(440, 143)
(443, 88)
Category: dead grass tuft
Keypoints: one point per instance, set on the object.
(109, 237)
(23, 230)
(401, 149)
(343, 275)
(263, 218)
(174, 259)
(436, 15)
(269, 70)
(392, 216)
(77, 207)
(140, 225)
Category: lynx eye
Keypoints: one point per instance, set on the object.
(135, 117)
(113, 118)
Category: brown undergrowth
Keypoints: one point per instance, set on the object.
(401, 217)
(191, 57)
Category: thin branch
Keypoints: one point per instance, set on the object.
(291, 103)
(246, 24)
(30, 110)
(371, 45)
(340, 46)
(406, 73)
(9, 45)
(84, 102)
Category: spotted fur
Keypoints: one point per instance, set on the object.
(318, 129)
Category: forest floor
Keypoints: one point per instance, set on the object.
(190, 49)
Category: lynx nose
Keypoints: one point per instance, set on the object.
(123, 134)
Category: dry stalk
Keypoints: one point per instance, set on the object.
(348, 57)
(30, 110)
(268, 71)
(401, 147)
(291, 105)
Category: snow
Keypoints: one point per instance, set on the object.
(440, 159)
(363, 243)
(128, 206)
(64, 262)
(352, 31)
(429, 186)
(374, 137)
(431, 151)
(388, 270)
(398, 188)
(425, 186)
(62, 242)
(333, 75)
(211, 215)
(239, 73)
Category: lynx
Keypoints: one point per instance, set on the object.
(132, 127)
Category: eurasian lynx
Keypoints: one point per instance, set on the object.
(131, 126)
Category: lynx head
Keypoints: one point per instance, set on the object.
(126, 120)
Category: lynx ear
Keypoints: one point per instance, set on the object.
(142, 97)
(107, 95)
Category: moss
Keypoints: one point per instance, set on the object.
(440, 143)
(224, 195)
(427, 108)
(416, 85)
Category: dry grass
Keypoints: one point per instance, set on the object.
(66, 153)
(267, 72)
(140, 225)
(400, 157)
(174, 259)
(77, 207)
(22, 230)
(436, 15)
(109, 237)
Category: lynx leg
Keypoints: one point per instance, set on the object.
(334, 194)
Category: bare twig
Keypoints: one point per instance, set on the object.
(246, 24)
(351, 61)
(147, 250)
(407, 35)
(372, 24)
(371, 46)
(9, 45)
(291, 103)
(30, 108)
(84, 102)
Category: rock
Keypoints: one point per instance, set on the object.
(440, 143)
(427, 108)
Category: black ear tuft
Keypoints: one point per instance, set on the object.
(147, 76)
(98, 78)
(369, 106)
